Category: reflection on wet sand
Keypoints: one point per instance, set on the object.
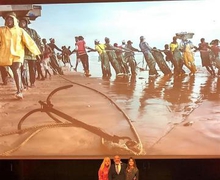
(211, 89)
(124, 86)
(152, 96)
(157, 105)
(122, 89)
(182, 96)
(176, 96)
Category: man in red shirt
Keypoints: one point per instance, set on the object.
(82, 54)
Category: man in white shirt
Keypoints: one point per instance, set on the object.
(117, 170)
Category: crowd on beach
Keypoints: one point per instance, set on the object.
(118, 170)
(25, 57)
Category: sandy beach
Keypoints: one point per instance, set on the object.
(171, 118)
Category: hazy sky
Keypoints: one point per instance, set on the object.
(157, 21)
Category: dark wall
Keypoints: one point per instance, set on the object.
(167, 169)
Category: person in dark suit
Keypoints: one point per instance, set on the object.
(117, 170)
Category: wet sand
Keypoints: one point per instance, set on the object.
(173, 118)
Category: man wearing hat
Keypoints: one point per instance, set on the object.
(53, 59)
(29, 58)
(13, 41)
(77, 56)
(129, 56)
(80, 48)
(112, 58)
(146, 50)
(105, 65)
(119, 51)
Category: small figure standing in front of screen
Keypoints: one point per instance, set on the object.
(117, 170)
(132, 172)
(104, 169)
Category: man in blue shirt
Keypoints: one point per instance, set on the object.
(146, 50)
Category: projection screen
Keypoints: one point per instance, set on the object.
(156, 101)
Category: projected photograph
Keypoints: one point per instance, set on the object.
(89, 80)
